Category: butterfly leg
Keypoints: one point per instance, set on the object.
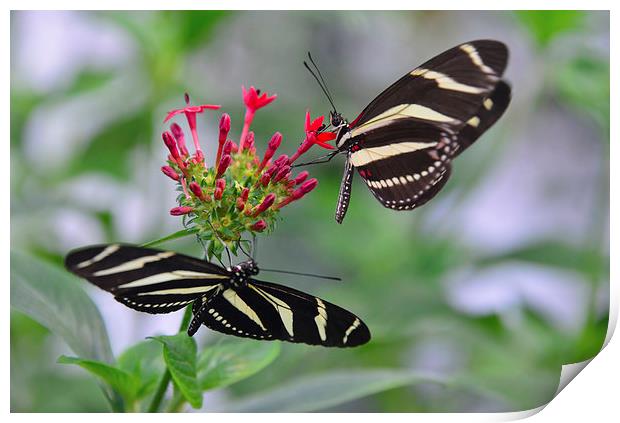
(345, 191)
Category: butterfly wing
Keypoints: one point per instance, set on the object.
(409, 162)
(146, 279)
(446, 90)
(263, 310)
(344, 195)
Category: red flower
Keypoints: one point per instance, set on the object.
(304, 189)
(180, 137)
(252, 99)
(190, 113)
(312, 137)
(301, 177)
(224, 129)
(253, 102)
(195, 188)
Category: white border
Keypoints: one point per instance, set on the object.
(589, 397)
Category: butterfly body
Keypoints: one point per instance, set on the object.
(403, 142)
(228, 300)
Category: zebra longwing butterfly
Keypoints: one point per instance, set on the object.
(404, 140)
(227, 300)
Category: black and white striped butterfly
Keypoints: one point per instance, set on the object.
(404, 140)
(227, 300)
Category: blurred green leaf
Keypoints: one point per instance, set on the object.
(122, 382)
(55, 299)
(545, 25)
(556, 254)
(145, 362)
(327, 390)
(180, 357)
(223, 364)
(584, 84)
(108, 152)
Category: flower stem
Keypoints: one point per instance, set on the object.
(165, 378)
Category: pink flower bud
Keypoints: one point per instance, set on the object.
(259, 226)
(265, 178)
(273, 145)
(301, 177)
(195, 188)
(171, 144)
(220, 183)
(224, 163)
(180, 138)
(228, 146)
(308, 186)
(281, 161)
(305, 188)
(245, 193)
(179, 211)
(240, 204)
(169, 172)
(249, 141)
(224, 127)
(235, 147)
(281, 173)
(267, 202)
(218, 193)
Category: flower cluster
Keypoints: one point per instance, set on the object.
(243, 191)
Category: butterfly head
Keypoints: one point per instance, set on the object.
(336, 119)
(249, 268)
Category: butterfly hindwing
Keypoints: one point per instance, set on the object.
(146, 279)
(268, 311)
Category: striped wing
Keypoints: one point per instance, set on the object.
(268, 311)
(410, 161)
(146, 279)
(446, 91)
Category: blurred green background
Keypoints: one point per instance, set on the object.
(479, 296)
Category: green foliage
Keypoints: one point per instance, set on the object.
(54, 298)
(124, 383)
(545, 25)
(180, 357)
(584, 84)
(327, 390)
(228, 362)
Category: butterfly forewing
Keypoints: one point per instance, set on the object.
(446, 90)
(263, 310)
(146, 279)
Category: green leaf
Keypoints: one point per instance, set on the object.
(145, 362)
(180, 357)
(319, 392)
(119, 380)
(556, 254)
(545, 25)
(584, 84)
(231, 361)
(179, 234)
(55, 299)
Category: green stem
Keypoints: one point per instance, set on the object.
(179, 234)
(165, 378)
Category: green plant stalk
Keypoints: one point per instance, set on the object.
(165, 378)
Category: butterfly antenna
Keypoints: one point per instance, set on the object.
(320, 84)
(312, 275)
(322, 80)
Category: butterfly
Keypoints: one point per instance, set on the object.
(403, 142)
(228, 300)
